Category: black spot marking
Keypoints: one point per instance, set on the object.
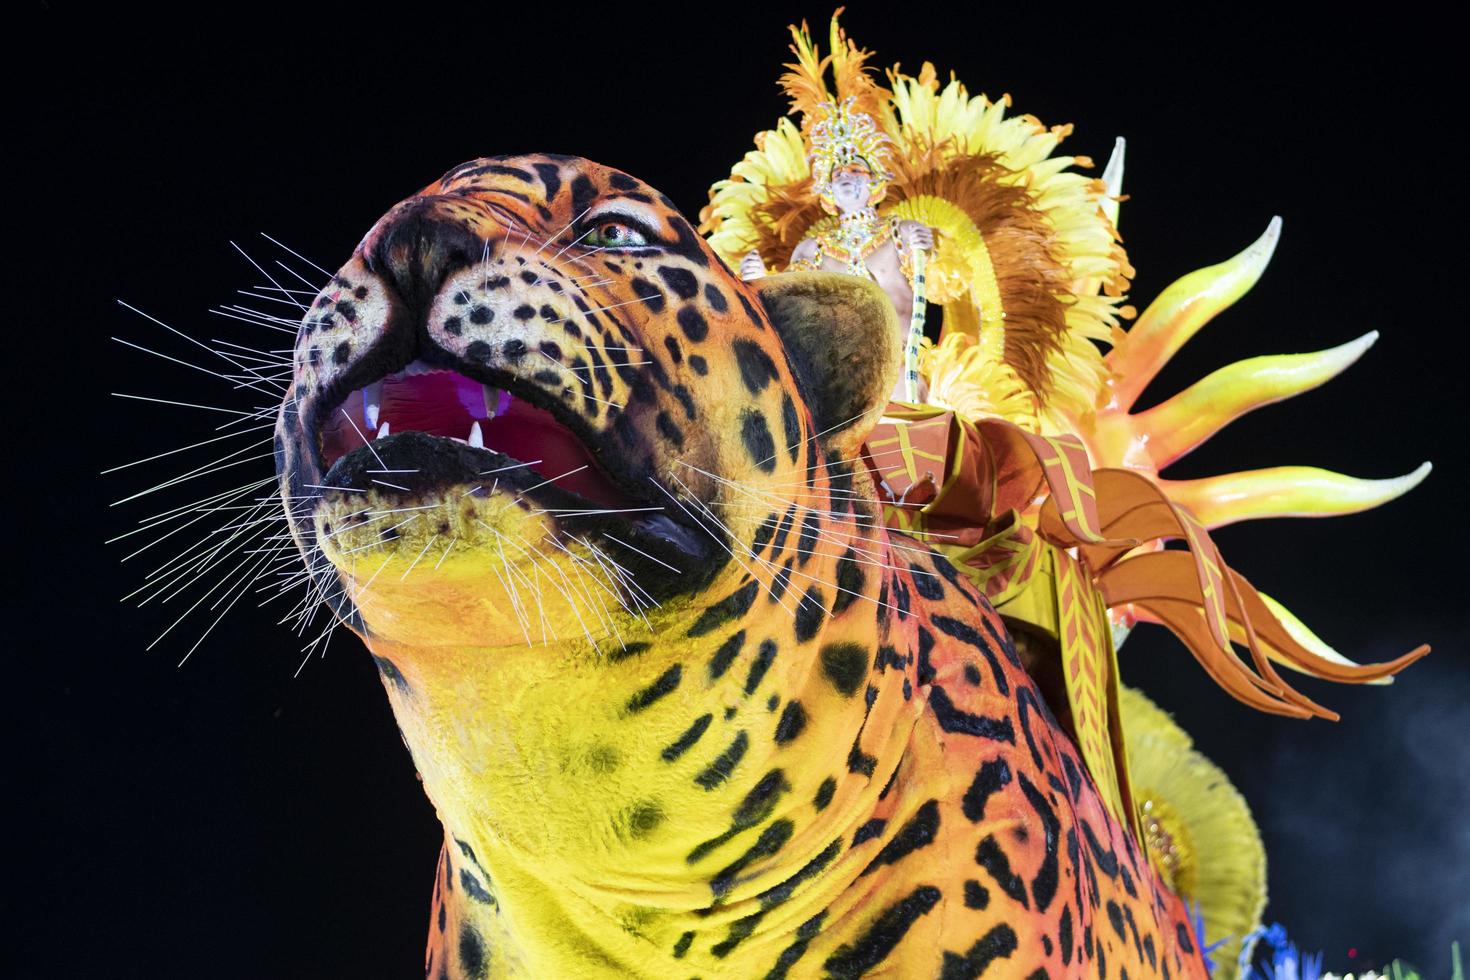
(918, 832)
(686, 741)
(1186, 942)
(926, 584)
(756, 368)
(723, 657)
(700, 365)
(977, 896)
(652, 297)
(763, 534)
(782, 530)
(779, 583)
(992, 777)
(793, 953)
(719, 770)
(454, 326)
(755, 318)
(344, 350)
(844, 665)
(951, 575)
(681, 281)
(583, 192)
(870, 830)
(859, 761)
(471, 952)
(850, 581)
(793, 720)
(687, 401)
(888, 657)
(676, 353)
(811, 612)
(810, 527)
(682, 946)
(851, 961)
(990, 857)
(391, 674)
(550, 175)
(1026, 703)
(715, 298)
(777, 894)
(972, 674)
(760, 665)
(472, 887)
(952, 719)
(622, 182)
(1064, 935)
(468, 852)
(666, 683)
(1107, 861)
(644, 818)
(514, 349)
(771, 840)
(824, 793)
(790, 425)
(740, 931)
(756, 434)
(1003, 641)
(926, 646)
(997, 944)
(1044, 885)
(669, 429)
(692, 322)
(734, 605)
(966, 633)
(625, 652)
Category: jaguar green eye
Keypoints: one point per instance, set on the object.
(614, 234)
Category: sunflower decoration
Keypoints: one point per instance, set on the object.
(1027, 265)
(1189, 811)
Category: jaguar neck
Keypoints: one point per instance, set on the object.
(691, 796)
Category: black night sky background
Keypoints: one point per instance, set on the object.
(230, 819)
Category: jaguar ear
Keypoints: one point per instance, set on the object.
(841, 338)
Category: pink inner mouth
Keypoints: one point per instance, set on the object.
(447, 404)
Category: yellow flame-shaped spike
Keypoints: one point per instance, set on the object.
(1285, 491)
(1184, 422)
(1181, 310)
(1112, 178)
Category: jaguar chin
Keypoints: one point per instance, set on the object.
(684, 706)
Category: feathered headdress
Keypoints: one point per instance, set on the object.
(843, 137)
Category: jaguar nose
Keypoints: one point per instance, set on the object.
(419, 247)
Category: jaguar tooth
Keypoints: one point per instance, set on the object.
(492, 400)
(372, 397)
(383, 432)
(477, 439)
